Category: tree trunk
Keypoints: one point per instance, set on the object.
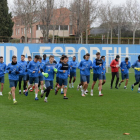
(111, 37)
(31, 33)
(53, 36)
(134, 36)
(81, 38)
(25, 33)
(120, 36)
(86, 36)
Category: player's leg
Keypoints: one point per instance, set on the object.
(24, 84)
(36, 80)
(100, 77)
(84, 80)
(29, 86)
(2, 85)
(70, 79)
(139, 88)
(117, 80)
(93, 84)
(112, 80)
(74, 79)
(65, 82)
(20, 80)
(104, 79)
(123, 78)
(60, 85)
(136, 83)
(80, 84)
(127, 79)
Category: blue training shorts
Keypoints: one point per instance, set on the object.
(34, 80)
(137, 77)
(48, 84)
(103, 77)
(2, 79)
(63, 82)
(72, 74)
(97, 77)
(41, 78)
(85, 78)
(13, 83)
(22, 77)
(125, 76)
(57, 79)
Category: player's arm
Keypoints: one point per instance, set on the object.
(94, 65)
(59, 68)
(91, 65)
(69, 71)
(75, 65)
(80, 66)
(8, 69)
(129, 65)
(134, 65)
(20, 70)
(28, 67)
(121, 65)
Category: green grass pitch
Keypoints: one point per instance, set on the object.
(78, 118)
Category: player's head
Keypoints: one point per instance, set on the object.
(65, 59)
(117, 57)
(51, 59)
(40, 59)
(22, 57)
(44, 56)
(1, 59)
(98, 55)
(103, 58)
(29, 58)
(139, 57)
(14, 59)
(87, 56)
(74, 58)
(36, 58)
(126, 59)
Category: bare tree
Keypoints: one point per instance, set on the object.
(46, 14)
(133, 15)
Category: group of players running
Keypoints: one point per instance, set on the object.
(34, 72)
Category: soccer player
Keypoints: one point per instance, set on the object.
(64, 73)
(44, 58)
(136, 66)
(23, 75)
(27, 76)
(2, 72)
(41, 77)
(85, 66)
(73, 66)
(14, 70)
(49, 68)
(34, 70)
(97, 70)
(115, 70)
(125, 66)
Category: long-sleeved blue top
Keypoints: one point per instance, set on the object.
(33, 66)
(125, 67)
(137, 65)
(97, 69)
(23, 65)
(85, 66)
(73, 66)
(2, 69)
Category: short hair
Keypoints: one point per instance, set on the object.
(102, 56)
(74, 56)
(51, 56)
(37, 56)
(44, 55)
(14, 56)
(98, 53)
(84, 56)
(40, 58)
(23, 55)
(29, 57)
(126, 58)
(87, 54)
(64, 57)
(1, 57)
(117, 56)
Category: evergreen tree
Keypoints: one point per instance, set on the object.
(6, 23)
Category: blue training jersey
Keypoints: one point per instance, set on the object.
(41, 67)
(49, 68)
(137, 65)
(125, 67)
(85, 66)
(73, 66)
(33, 66)
(97, 69)
(14, 68)
(23, 65)
(2, 69)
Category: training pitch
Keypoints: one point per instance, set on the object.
(78, 118)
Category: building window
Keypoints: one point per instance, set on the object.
(18, 31)
(54, 27)
(30, 30)
(71, 30)
(63, 27)
(24, 30)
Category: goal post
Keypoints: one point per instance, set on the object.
(57, 55)
(110, 56)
